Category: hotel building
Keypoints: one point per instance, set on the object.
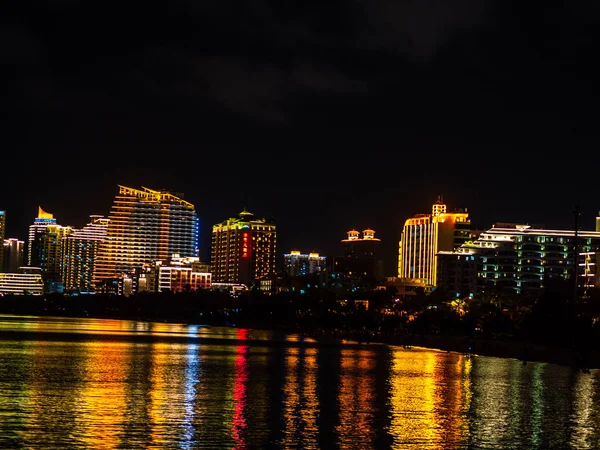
(13, 252)
(518, 258)
(424, 236)
(297, 264)
(145, 225)
(80, 250)
(243, 249)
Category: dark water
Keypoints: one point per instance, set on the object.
(89, 383)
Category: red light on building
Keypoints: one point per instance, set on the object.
(245, 245)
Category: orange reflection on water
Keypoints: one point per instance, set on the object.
(240, 367)
(355, 398)
(412, 397)
(453, 397)
(300, 397)
(102, 397)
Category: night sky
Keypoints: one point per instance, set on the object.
(347, 115)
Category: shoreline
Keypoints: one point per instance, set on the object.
(523, 351)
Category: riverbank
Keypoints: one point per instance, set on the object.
(567, 356)
(504, 349)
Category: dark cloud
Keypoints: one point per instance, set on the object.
(339, 110)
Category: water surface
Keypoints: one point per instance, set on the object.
(92, 383)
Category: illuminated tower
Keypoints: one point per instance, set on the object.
(424, 235)
(243, 249)
(50, 242)
(80, 250)
(2, 232)
(145, 226)
(34, 244)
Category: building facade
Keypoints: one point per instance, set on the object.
(298, 264)
(243, 249)
(145, 226)
(13, 251)
(36, 230)
(28, 281)
(80, 250)
(179, 274)
(425, 235)
(520, 259)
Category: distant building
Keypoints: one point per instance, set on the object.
(2, 234)
(80, 250)
(28, 281)
(13, 252)
(425, 235)
(145, 226)
(361, 255)
(243, 249)
(178, 274)
(361, 266)
(298, 264)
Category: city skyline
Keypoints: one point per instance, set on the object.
(329, 245)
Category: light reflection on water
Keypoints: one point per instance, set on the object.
(234, 388)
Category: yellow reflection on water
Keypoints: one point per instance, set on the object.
(355, 398)
(493, 404)
(300, 397)
(167, 396)
(412, 399)
(585, 413)
(453, 397)
(102, 397)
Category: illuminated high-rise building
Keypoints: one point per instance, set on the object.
(14, 249)
(424, 235)
(145, 225)
(243, 249)
(51, 255)
(34, 244)
(2, 233)
(80, 250)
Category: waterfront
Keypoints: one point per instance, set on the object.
(97, 383)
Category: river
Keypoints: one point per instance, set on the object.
(93, 383)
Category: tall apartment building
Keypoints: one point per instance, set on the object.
(297, 264)
(243, 249)
(51, 255)
(80, 250)
(425, 235)
(34, 244)
(145, 225)
(13, 251)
